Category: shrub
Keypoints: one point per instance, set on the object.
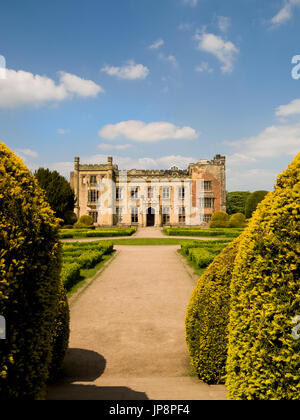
(30, 263)
(207, 318)
(70, 274)
(85, 221)
(60, 336)
(202, 257)
(263, 359)
(252, 202)
(237, 220)
(219, 219)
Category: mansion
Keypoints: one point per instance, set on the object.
(171, 197)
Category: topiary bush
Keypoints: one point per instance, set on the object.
(30, 264)
(252, 202)
(219, 219)
(208, 316)
(84, 221)
(60, 337)
(237, 220)
(263, 359)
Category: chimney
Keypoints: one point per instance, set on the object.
(110, 160)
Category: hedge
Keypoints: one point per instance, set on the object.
(237, 220)
(30, 264)
(60, 336)
(230, 233)
(207, 318)
(219, 219)
(263, 359)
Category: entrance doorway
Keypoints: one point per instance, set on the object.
(150, 217)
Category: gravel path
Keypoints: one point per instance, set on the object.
(127, 332)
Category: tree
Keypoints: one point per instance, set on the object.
(236, 201)
(263, 356)
(59, 193)
(253, 201)
(31, 290)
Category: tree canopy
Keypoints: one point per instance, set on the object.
(58, 191)
(236, 201)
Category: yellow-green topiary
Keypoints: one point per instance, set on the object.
(30, 264)
(237, 220)
(264, 358)
(208, 316)
(219, 219)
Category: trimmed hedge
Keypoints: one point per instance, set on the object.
(60, 336)
(230, 233)
(237, 220)
(99, 233)
(208, 316)
(30, 264)
(263, 359)
(219, 219)
(70, 274)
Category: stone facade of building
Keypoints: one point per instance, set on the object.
(172, 197)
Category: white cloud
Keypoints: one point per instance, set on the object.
(28, 152)
(273, 142)
(192, 3)
(63, 131)
(170, 58)
(130, 71)
(239, 179)
(157, 44)
(204, 67)
(285, 13)
(21, 88)
(105, 146)
(151, 132)
(293, 108)
(81, 87)
(224, 23)
(224, 51)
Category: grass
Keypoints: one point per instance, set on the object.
(147, 241)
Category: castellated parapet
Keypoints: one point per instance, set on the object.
(136, 197)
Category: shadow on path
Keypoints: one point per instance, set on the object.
(87, 366)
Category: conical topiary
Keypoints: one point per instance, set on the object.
(264, 357)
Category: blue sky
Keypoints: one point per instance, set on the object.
(154, 83)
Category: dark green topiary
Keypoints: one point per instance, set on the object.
(60, 336)
(219, 219)
(264, 358)
(30, 264)
(252, 202)
(208, 316)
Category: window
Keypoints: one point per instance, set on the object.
(150, 192)
(134, 193)
(94, 215)
(207, 185)
(166, 193)
(182, 215)
(207, 203)
(207, 218)
(93, 196)
(120, 214)
(134, 215)
(93, 179)
(119, 193)
(181, 193)
(166, 215)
